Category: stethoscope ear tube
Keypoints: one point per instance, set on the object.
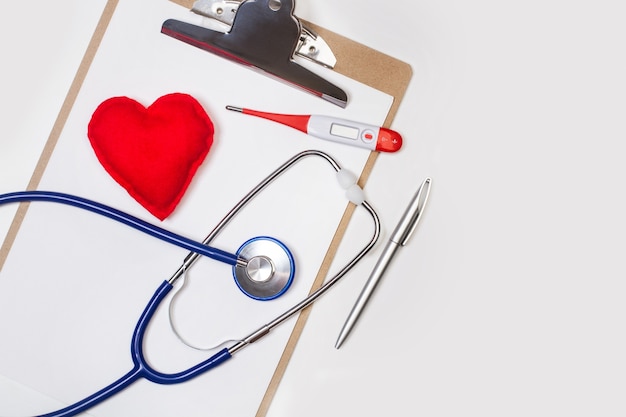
(257, 290)
(265, 329)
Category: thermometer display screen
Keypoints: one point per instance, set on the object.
(343, 131)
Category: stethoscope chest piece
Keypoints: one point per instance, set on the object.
(268, 269)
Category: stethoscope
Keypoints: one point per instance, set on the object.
(263, 268)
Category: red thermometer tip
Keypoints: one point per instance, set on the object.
(299, 122)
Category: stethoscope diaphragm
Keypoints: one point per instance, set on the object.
(268, 271)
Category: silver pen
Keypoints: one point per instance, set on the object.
(399, 238)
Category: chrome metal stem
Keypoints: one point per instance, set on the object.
(265, 329)
(192, 257)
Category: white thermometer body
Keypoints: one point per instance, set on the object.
(358, 134)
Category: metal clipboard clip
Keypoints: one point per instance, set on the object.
(265, 35)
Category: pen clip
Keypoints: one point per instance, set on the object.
(411, 217)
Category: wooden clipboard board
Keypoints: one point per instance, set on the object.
(354, 60)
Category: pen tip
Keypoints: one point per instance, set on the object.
(233, 108)
(339, 341)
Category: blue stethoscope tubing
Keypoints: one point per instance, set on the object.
(141, 369)
(124, 218)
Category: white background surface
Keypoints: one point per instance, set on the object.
(509, 298)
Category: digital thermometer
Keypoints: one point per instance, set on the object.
(366, 136)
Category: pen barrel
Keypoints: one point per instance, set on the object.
(399, 238)
(370, 285)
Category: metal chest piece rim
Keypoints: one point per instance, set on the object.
(268, 271)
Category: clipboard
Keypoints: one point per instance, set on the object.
(354, 60)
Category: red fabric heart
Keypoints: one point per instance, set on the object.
(152, 152)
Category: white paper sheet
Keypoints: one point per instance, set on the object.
(74, 284)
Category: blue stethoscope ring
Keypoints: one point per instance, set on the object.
(268, 270)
